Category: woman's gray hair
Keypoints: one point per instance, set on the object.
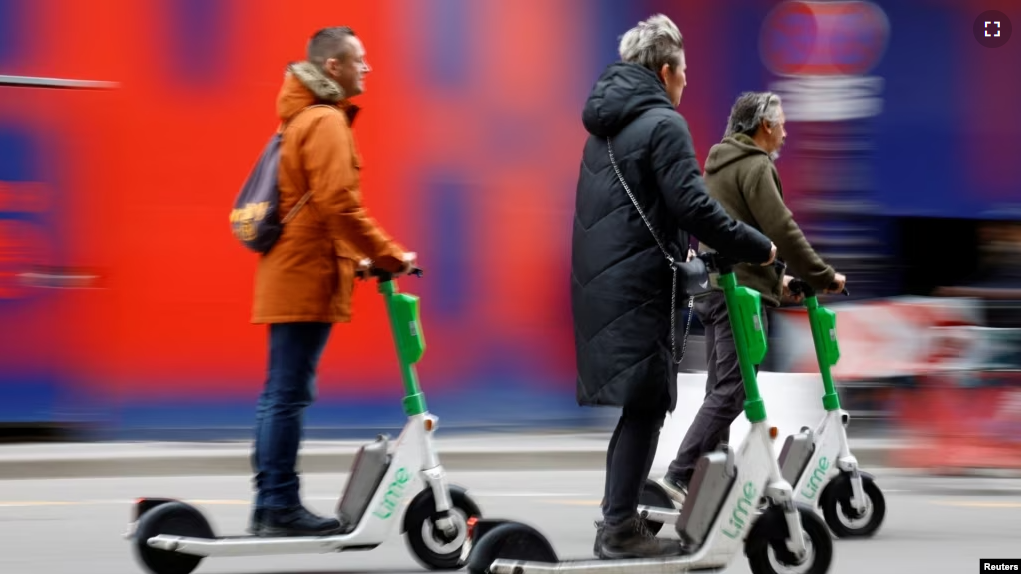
(652, 43)
(750, 109)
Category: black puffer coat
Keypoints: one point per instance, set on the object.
(620, 280)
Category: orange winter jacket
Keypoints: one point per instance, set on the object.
(309, 274)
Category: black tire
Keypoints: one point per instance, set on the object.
(837, 506)
(817, 539)
(173, 518)
(656, 496)
(421, 533)
(510, 541)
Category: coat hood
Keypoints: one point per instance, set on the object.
(304, 85)
(730, 150)
(622, 93)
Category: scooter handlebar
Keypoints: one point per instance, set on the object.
(799, 287)
(382, 275)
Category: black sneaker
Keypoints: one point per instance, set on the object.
(294, 521)
(676, 489)
(599, 539)
(633, 539)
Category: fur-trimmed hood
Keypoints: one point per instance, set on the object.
(304, 85)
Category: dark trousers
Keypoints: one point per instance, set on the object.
(628, 461)
(724, 389)
(294, 352)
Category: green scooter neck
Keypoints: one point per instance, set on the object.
(823, 323)
(744, 307)
(406, 329)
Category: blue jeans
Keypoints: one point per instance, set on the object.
(294, 352)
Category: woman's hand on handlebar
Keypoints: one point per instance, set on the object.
(787, 295)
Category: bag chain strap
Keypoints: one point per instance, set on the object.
(673, 268)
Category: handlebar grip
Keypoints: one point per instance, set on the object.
(384, 275)
(800, 287)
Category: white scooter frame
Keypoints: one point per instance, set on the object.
(378, 489)
(719, 516)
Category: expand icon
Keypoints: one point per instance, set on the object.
(824, 51)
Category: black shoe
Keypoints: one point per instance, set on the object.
(599, 539)
(676, 489)
(255, 522)
(294, 521)
(633, 539)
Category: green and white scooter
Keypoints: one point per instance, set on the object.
(818, 463)
(172, 537)
(719, 518)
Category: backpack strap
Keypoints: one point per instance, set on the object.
(308, 194)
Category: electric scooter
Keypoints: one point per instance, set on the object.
(818, 463)
(173, 537)
(719, 515)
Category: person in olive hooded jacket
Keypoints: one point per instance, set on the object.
(621, 281)
(741, 174)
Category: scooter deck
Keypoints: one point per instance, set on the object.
(666, 565)
(251, 545)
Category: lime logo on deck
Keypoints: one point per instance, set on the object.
(740, 514)
(394, 491)
(815, 481)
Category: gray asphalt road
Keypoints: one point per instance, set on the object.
(75, 526)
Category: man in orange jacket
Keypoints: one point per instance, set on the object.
(303, 285)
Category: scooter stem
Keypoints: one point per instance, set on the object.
(744, 310)
(827, 353)
(402, 308)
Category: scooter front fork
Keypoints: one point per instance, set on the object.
(436, 478)
(849, 465)
(782, 493)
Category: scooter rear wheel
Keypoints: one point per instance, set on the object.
(175, 519)
(510, 541)
(654, 495)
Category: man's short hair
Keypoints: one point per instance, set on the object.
(749, 110)
(652, 43)
(328, 43)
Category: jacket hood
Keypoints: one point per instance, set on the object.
(622, 93)
(304, 85)
(730, 150)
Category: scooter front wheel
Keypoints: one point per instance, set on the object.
(841, 516)
(431, 547)
(767, 550)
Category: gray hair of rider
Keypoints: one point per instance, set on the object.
(750, 110)
(652, 43)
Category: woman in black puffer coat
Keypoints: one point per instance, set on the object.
(620, 279)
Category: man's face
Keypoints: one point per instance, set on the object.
(777, 134)
(675, 80)
(349, 70)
